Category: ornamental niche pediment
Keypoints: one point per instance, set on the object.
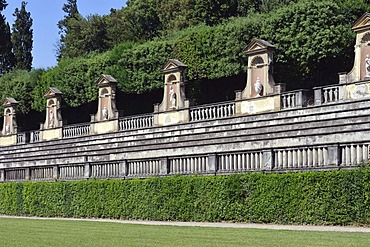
(173, 64)
(106, 79)
(9, 102)
(52, 92)
(362, 23)
(258, 45)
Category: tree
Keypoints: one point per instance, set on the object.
(3, 5)
(22, 38)
(67, 24)
(143, 19)
(117, 27)
(6, 54)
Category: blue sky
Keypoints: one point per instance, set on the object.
(45, 15)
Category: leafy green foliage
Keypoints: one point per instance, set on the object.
(71, 76)
(311, 38)
(19, 85)
(314, 42)
(336, 197)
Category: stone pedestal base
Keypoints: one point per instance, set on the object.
(104, 127)
(258, 105)
(8, 140)
(50, 134)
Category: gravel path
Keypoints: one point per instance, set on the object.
(209, 224)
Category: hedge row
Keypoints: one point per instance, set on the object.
(336, 197)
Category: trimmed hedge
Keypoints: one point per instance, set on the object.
(335, 197)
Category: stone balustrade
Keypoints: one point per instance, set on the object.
(328, 94)
(72, 172)
(213, 111)
(21, 138)
(35, 136)
(188, 165)
(42, 173)
(76, 130)
(143, 168)
(303, 157)
(136, 122)
(239, 162)
(106, 170)
(352, 154)
(288, 100)
(280, 159)
(294, 99)
(14, 175)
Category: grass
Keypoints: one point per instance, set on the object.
(33, 232)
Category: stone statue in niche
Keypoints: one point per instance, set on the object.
(258, 87)
(367, 65)
(7, 129)
(105, 113)
(51, 119)
(172, 97)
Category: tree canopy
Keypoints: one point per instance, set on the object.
(22, 38)
(314, 42)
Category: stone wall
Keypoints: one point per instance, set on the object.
(329, 135)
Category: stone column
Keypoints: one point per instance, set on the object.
(334, 155)
(53, 125)
(164, 164)
(55, 172)
(268, 159)
(123, 168)
(174, 108)
(10, 123)
(317, 95)
(87, 170)
(212, 166)
(2, 175)
(27, 174)
(106, 119)
(301, 98)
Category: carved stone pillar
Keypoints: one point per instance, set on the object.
(212, 165)
(164, 164)
(106, 119)
(174, 107)
(260, 81)
(107, 98)
(10, 123)
(53, 108)
(8, 134)
(2, 175)
(261, 94)
(52, 127)
(361, 66)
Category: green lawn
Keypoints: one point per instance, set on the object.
(32, 232)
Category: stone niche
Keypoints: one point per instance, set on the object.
(361, 66)
(8, 134)
(52, 127)
(10, 120)
(174, 107)
(261, 94)
(105, 120)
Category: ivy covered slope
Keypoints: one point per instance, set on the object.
(314, 42)
(336, 197)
